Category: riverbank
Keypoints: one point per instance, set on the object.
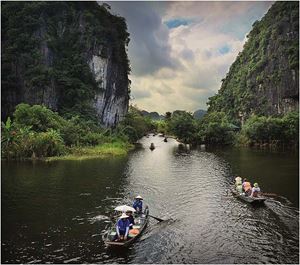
(83, 153)
(37, 133)
(99, 151)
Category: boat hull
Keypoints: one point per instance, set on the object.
(107, 238)
(248, 199)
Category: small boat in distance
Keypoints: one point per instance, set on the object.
(152, 147)
(141, 221)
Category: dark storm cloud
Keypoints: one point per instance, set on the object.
(149, 48)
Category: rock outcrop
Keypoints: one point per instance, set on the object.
(69, 56)
(264, 79)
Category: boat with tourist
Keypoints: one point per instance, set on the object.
(140, 223)
(253, 200)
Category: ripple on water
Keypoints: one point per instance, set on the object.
(97, 218)
(209, 224)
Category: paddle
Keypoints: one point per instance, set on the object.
(269, 194)
(158, 219)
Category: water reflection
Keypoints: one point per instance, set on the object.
(57, 212)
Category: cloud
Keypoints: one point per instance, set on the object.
(180, 51)
(174, 23)
(149, 48)
(187, 54)
(138, 94)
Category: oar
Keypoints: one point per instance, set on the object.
(269, 194)
(158, 219)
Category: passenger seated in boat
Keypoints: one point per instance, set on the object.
(238, 180)
(246, 187)
(131, 219)
(255, 190)
(138, 204)
(238, 184)
(122, 227)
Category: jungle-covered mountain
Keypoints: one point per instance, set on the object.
(198, 114)
(152, 115)
(264, 79)
(69, 56)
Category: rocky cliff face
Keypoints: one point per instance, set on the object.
(264, 79)
(69, 56)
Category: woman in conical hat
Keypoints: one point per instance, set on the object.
(138, 204)
(122, 227)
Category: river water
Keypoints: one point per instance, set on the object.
(57, 212)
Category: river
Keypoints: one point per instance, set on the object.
(57, 212)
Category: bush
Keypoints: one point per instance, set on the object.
(92, 138)
(48, 143)
(15, 142)
(161, 126)
(214, 128)
(135, 125)
(38, 117)
(72, 132)
(256, 128)
(131, 133)
(27, 144)
(291, 127)
(268, 129)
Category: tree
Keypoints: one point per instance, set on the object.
(183, 125)
(214, 128)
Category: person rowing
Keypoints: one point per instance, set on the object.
(138, 204)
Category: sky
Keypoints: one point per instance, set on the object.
(180, 51)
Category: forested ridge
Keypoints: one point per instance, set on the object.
(48, 54)
(53, 70)
(264, 79)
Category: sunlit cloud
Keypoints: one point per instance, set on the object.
(180, 51)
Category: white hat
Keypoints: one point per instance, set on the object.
(139, 197)
(124, 215)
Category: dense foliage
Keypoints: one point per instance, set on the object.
(183, 125)
(35, 131)
(45, 46)
(271, 130)
(263, 78)
(215, 128)
(135, 125)
(39, 132)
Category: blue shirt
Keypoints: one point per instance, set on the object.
(131, 221)
(122, 226)
(138, 204)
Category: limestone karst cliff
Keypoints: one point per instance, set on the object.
(264, 79)
(68, 56)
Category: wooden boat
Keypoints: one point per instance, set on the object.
(252, 200)
(152, 147)
(140, 220)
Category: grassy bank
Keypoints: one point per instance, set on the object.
(37, 133)
(99, 151)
